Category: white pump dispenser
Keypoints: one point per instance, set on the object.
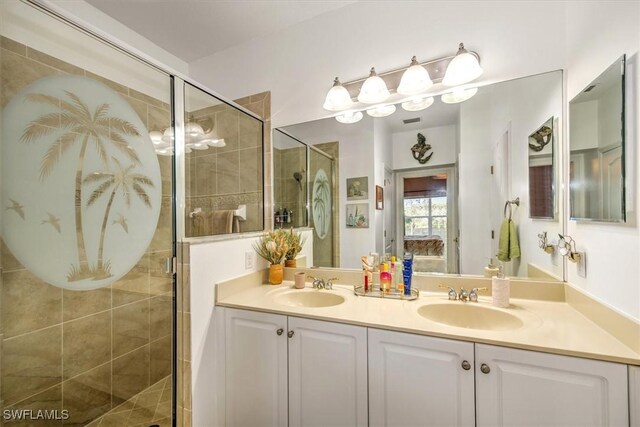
(500, 289)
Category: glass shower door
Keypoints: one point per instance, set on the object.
(86, 161)
(322, 202)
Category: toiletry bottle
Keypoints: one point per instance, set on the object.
(385, 277)
(407, 272)
(392, 270)
(375, 263)
(500, 289)
(491, 270)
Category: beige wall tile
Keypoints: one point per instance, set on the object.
(160, 359)
(130, 327)
(123, 90)
(86, 343)
(16, 72)
(84, 303)
(87, 396)
(31, 363)
(28, 303)
(227, 127)
(250, 132)
(204, 175)
(161, 316)
(130, 374)
(251, 170)
(13, 46)
(53, 62)
(228, 166)
(133, 286)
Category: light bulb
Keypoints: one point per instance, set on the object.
(374, 89)
(458, 95)
(418, 103)
(415, 79)
(463, 68)
(338, 98)
(156, 137)
(349, 117)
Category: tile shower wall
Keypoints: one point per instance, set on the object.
(287, 192)
(224, 178)
(84, 351)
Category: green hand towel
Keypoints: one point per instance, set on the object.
(508, 246)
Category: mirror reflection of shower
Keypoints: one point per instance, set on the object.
(298, 177)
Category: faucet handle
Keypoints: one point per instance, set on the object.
(329, 283)
(463, 295)
(317, 283)
(453, 295)
(473, 295)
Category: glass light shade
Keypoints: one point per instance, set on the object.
(199, 146)
(415, 79)
(156, 137)
(193, 132)
(458, 95)
(382, 110)
(338, 98)
(218, 143)
(463, 68)
(418, 104)
(349, 117)
(167, 135)
(211, 139)
(164, 151)
(374, 89)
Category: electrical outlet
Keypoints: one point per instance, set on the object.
(581, 265)
(249, 260)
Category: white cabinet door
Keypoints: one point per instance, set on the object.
(327, 374)
(634, 395)
(525, 388)
(256, 369)
(419, 381)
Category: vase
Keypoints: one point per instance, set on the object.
(276, 273)
(291, 263)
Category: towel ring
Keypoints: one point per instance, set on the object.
(508, 204)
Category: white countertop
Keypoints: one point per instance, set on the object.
(548, 326)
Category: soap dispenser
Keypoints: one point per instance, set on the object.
(491, 270)
(500, 289)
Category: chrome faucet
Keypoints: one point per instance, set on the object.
(322, 283)
(463, 295)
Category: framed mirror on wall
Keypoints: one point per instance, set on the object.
(476, 159)
(597, 148)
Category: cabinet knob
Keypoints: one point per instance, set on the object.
(280, 331)
(466, 365)
(290, 334)
(484, 368)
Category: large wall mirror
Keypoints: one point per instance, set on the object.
(597, 132)
(480, 171)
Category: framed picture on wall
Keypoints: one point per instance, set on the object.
(358, 188)
(379, 198)
(358, 215)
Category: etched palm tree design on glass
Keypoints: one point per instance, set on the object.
(321, 203)
(79, 125)
(128, 182)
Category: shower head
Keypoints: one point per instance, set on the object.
(298, 177)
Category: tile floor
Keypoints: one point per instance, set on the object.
(150, 407)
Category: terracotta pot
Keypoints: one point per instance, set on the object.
(290, 263)
(276, 273)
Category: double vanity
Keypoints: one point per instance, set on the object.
(329, 357)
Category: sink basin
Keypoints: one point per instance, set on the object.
(471, 316)
(309, 299)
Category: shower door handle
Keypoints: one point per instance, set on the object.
(170, 265)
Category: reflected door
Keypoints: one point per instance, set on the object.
(322, 200)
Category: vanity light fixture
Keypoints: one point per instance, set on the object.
(196, 138)
(382, 110)
(349, 117)
(458, 95)
(374, 89)
(338, 98)
(463, 68)
(415, 79)
(418, 103)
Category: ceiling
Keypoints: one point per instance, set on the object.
(193, 29)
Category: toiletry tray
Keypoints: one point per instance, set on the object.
(391, 294)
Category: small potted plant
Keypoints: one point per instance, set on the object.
(295, 241)
(273, 247)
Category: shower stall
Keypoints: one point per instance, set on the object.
(94, 143)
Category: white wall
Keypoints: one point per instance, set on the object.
(298, 64)
(443, 146)
(597, 33)
(382, 156)
(212, 263)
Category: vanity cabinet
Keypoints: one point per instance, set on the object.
(291, 371)
(418, 380)
(256, 368)
(634, 395)
(524, 388)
